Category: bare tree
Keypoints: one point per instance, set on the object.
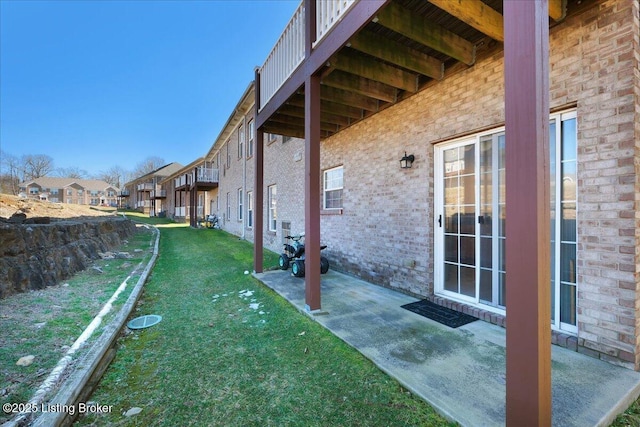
(148, 165)
(115, 176)
(36, 166)
(10, 168)
(72, 172)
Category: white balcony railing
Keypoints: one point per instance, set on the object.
(145, 187)
(206, 175)
(181, 181)
(288, 51)
(284, 58)
(328, 13)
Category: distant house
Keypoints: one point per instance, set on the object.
(91, 192)
(145, 193)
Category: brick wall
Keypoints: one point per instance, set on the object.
(385, 233)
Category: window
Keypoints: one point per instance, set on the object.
(286, 139)
(228, 206)
(33, 190)
(273, 214)
(563, 161)
(228, 155)
(250, 144)
(333, 184)
(240, 207)
(54, 191)
(250, 209)
(69, 192)
(286, 231)
(270, 137)
(240, 141)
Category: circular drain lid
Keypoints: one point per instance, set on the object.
(144, 321)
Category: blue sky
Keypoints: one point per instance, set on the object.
(97, 84)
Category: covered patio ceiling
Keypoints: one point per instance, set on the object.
(409, 46)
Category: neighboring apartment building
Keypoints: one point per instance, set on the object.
(145, 194)
(71, 190)
(188, 191)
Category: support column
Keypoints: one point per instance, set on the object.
(526, 69)
(312, 192)
(258, 188)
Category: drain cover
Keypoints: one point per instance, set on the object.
(144, 321)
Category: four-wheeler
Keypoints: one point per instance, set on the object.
(294, 255)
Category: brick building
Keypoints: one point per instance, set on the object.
(437, 229)
(92, 192)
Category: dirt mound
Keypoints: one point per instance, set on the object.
(10, 205)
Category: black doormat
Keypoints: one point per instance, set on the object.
(440, 314)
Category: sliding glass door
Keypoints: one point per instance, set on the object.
(470, 218)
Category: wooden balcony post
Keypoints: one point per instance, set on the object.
(258, 189)
(312, 192)
(526, 69)
(310, 25)
(312, 169)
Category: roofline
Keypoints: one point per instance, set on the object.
(239, 106)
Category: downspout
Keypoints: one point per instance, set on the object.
(244, 174)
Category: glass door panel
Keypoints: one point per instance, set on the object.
(458, 175)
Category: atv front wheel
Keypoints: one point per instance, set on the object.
(298, 268)
(283, 262)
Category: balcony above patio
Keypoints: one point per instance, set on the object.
(204, 178)
(373, 54)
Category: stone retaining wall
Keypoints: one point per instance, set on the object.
(33, 256)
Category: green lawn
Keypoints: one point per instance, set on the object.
(231, 352)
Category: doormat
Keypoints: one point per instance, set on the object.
(440, 314)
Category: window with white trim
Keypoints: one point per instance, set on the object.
(228, 206)
(333, 186)
(240, 141)
(250, 209)
(273, 213)
(240, 207)
(250, 144)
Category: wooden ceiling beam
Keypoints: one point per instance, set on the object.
(370, 68)
(283, 129)
(361, 86)
(297, 111)
(476, 14)
(333, 111)
(328, 93)
(398, 54)
(405, 22)
(297, 122)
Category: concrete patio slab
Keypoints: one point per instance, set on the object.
(460, 372)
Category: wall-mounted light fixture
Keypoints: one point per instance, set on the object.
(407, 161)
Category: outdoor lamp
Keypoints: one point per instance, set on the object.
(407, 161)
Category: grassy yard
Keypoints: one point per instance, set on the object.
(230, 351)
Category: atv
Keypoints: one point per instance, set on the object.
(294, 256)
